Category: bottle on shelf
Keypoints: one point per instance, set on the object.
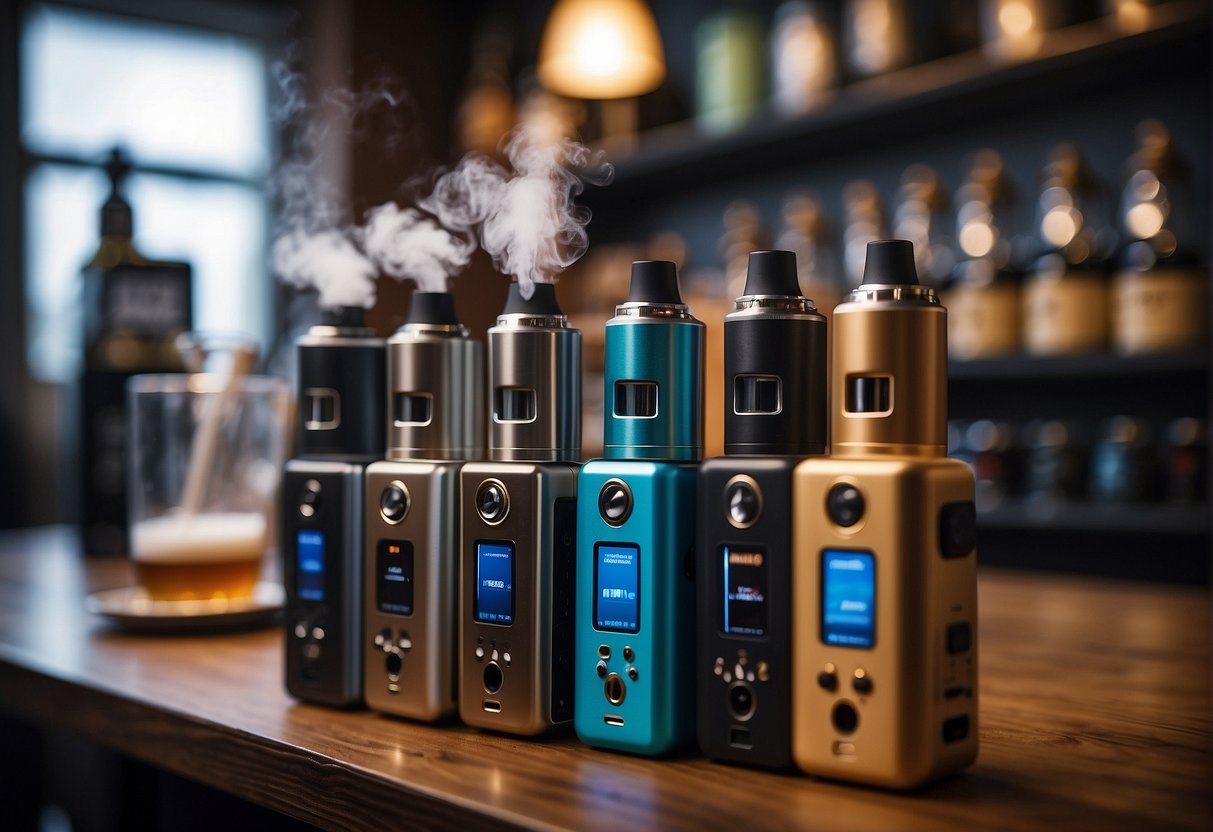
(1124, 466)
(804, 56)
(865, 223)
(983, 297)
(743, 233)
(134, 309)
(730, 80)
(1065, 303)
(1160, 293)
(876, 37)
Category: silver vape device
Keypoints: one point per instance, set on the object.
(435, 423)
(518, 550)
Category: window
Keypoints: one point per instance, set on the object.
(190, 108)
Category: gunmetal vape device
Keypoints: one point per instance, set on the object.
(775, 415)
(520, 524)
(635, 660)
(885, 598)
(340, 407)
(435, 423)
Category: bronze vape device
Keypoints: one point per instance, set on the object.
(435, 423)
(519, 550)
(885, 613)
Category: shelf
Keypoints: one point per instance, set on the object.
(917, 99)
(1156, 519)
(1092, 367)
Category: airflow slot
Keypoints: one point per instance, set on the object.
(321, 409)
(953, 693)
(611, 719)
(414, 408)
(636, 399)
(869, 394)
(514, 404)
(492, 706)
(753, 395)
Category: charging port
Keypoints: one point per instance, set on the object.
(492, 706)
(740, 738)
(611, 719)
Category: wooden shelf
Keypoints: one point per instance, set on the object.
(1070, 668)
(917, 99)
(1093, 367)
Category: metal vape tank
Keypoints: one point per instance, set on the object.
(340, 404)
(885, 585)
(775, 415)
(518, 549)
(435, 422)
(635, 633)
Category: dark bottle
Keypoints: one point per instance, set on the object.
(134, 308)
(1160, 293)
(1065, 303)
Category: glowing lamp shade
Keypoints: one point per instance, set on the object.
(601, 49)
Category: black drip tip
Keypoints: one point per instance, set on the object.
(890, 263)
(654, 281)
(346, 317)
(432, 308)
(542, 301)
(772, 273)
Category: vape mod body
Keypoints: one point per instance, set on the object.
(775, 383)
(518, 546)
(885, 614)
(635, 630)
(340, 407)
(434, 416)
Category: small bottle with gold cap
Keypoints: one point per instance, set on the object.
(885, 580)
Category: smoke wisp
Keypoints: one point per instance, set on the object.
(404, 244)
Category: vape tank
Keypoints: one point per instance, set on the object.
(518, 546)
(885, 585)
(435, 422)
(775, 378)
(634, 665)
(340, 408)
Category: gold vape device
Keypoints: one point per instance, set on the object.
(885, 613)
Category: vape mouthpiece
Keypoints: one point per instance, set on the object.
(654, 281)
(346, 317)
(432, 308)
(890, 263)
(542, 302)
(773, 273)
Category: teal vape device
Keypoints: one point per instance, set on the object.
(636, 511)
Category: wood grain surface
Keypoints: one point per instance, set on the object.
(1095, 714)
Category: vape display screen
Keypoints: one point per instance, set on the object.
(309, 558)
(745, 592)
(848, 598)
(617, 587)
(394, 577)
(494, 582)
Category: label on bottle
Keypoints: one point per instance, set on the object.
(1161, 309)
(1064, 315)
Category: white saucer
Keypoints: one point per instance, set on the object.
(130, 607)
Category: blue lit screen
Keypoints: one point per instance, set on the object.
(848, 598)
(309, 554)
(617, 587)
(494, 582)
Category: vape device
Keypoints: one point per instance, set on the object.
(885, 584)
(435, 423)
(775, 415)
(518, 549)
(635, 633)
(340, 404)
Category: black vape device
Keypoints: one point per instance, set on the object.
(518, 548)
(775, 416)
(340, 407)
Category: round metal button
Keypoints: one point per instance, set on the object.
(492, 501)
(742, 501)
(845, 504)
(394, 502)
(615, 502)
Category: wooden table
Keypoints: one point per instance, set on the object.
(1094, 695)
